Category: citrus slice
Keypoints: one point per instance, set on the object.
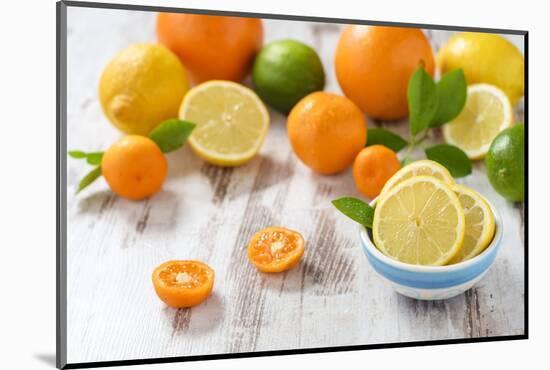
(231, 121)
(423, 167)
(486, 113)
(480, 224)
(420, 221)
(275, 249)
(183, 283)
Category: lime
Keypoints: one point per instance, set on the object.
(142, 86)
(285, 71)
(485, 58)
(505, 163)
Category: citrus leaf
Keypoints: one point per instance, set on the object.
(405, 161)
(171, 134)
(94, 158)
(355, 209)
(77, 154)
(451, 91)
(422, 99)
(387, 138)
(452, 157)
(89, 178)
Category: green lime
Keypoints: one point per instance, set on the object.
(505, 163)
(285, 71)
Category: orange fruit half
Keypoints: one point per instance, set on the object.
(183, 283)
(275, 249)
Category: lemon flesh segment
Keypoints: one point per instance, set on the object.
(423, 167)
(480, 224)
(420, 221)
(486, 113)
(231, 120)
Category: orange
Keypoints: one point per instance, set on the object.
(275, 249)
(373, 66)
(211, 47)
(134, 167)
(372, 167)
(326, 132)
(183, 283)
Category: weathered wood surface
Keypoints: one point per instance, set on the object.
(332, 298)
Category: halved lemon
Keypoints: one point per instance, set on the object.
(486, 113)
(420, 221)
(231, 120)
(480, 224)
(423, 167)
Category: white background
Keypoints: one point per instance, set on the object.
(27, 211)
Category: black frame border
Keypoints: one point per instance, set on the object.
(61, 195)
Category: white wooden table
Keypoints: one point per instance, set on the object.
(332, 298)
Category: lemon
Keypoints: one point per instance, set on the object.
(423, 167)
(480, 223)
(231, 120)
(485, 58)
(419, 221)
(142, 86)
(486, 113)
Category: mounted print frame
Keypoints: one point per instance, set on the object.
(236, 184)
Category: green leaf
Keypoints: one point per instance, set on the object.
(452, 157)
(405, 161)
(89, 178)
(77, 154)
(387, 138)
(355, 209)
(451, 91)
(94, 158)
(422, 99)
(171, 134)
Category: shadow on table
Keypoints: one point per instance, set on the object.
(199, 319)
(47, 358)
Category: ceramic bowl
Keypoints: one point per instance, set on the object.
(432, 282)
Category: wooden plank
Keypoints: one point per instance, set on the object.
(332, 298)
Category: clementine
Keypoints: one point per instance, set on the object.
(275, 249)
(373, 66)
(373, 166)
(183, 283)
(134, 167)
(326, 131)
(211, 47)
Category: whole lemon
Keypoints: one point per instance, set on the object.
(142, 86)
(326, 132)
(485, 58)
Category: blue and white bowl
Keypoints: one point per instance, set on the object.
(432, 282)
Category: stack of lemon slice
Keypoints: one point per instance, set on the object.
(422, 217)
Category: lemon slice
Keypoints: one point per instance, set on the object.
(419, 221)
(486, 113)
(423, 167)
(480, 224)
(231, 120)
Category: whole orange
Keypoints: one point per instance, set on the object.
(373, 66)
(211, 47)
(134, 167)
(372, 167)
(326, 131)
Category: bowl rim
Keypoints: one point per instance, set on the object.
(369, 245)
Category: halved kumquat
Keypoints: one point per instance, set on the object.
(275, 249)
(183, 283)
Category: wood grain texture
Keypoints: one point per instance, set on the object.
(332, 298)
